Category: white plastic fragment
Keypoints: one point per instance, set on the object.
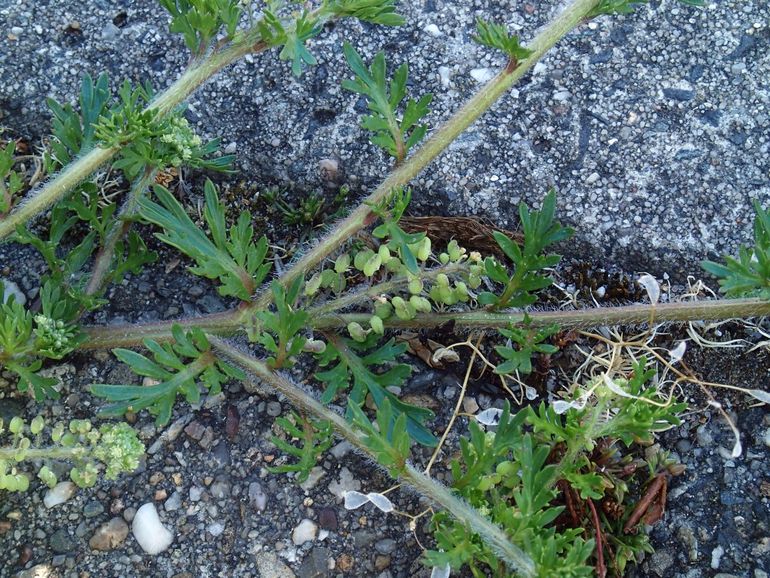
(149, 531)
(440, 571)
(489, 416)
(615, 388)
(382, 502)
(354, 500)
(560, 406)
(676, 354)
(762, 396)
(59, 494)
(530, 392)
(652, 287)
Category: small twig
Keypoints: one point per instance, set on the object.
(601, 569)
(652, 494)
(457, 405)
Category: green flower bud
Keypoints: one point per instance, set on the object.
(474, 281)
(314, 346)
(16, 425)
(442, 280)
(377, 326)
(383, 310)
(47, 476)
(394, 265)
(403, 309)
(461, 291)
(361, 258)
(423, 250)
(342, 263)
(455, 251)
(357, 332)
(415, 286)
(420, 304)
(372, 265)
(37, 425)
(384, 253)
(57, 432)
(505, 469)
(443, 258)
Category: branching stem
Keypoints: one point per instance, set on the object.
(74, 173)
(410, 475)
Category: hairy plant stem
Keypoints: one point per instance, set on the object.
(560, 26)
(74, 173)
(235, 320)
(99, 274)
(53, 453)
(491, 533)
(580, 319)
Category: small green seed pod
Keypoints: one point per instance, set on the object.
(377, 325)
(357, 332)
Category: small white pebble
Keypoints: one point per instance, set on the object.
(592, 178)
(716, 556)
(149, 531)
(767, 438)
(306, 531)
(11, 288)
(433, 30)
(17, 30)
(444, 76)
(215, 528)
(59, 494)
(482, 74)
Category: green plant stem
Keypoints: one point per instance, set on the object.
(42, 198)
(54, 453)
(235, 321)
(410, 475)
(716, 310)
(118, 230)
(569, 18)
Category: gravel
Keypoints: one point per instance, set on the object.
(653, 127)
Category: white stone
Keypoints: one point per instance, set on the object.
(444, 75)
(59, 494)
(216, 528)
(433, 30)
(716, 557)
(315, 475)
(149, 531)
(482, 74)
(306, 531)
(345, 484)
(11, 288)
(767, 438)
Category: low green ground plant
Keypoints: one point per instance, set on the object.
(563, 488)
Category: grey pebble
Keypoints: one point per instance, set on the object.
(315, 564)
(128, 514)
(61, 542)
(385, 546)
(220, 489)
(174, 502)
(273, 409)
(679, 94)
(92, 509)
